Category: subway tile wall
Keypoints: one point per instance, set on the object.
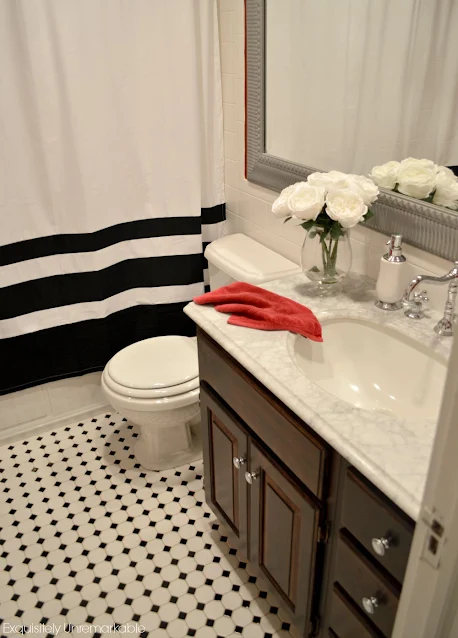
(49, 405)
(248, 205)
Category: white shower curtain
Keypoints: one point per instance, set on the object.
(111, 176)
(367, 81)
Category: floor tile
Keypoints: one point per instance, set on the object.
(90, 538)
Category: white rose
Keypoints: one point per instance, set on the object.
(280, 206)
(444, 170)
(416, 180)
(346, 207)
(306, 201)
(412, 161)
(386, 175)
(364, 187)
(446, 190)
(328, 181)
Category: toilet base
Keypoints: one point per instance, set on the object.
(168, 438)
(157, 449)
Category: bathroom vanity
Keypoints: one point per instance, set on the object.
(303, 517)
(318, 495)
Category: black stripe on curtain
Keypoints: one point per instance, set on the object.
(74, 347)
(64, 290)
(79, 348)
(214, 215)
(89, 242)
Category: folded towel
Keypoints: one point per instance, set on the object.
(254, 307)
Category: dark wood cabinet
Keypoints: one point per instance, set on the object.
(370, 517)
(284, 526)
(346, 619)
(249, 490)
(369, 551)
(361, 580)
(225, 445)
(279, 429)
(321, 536)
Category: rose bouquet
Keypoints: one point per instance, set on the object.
(327, 205)
(419, 178)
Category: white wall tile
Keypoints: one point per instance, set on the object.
(230, 119)
(373, 264)
(44, 406)
(227, 5)
(227, 26)
(240, 99)
(231, 198)
(425, 260)
(31, 404)
(228, 57)
(282, 246)
(228, 82)
(239, 17)
(230, 145)
(22, 406)
(75, 392)
(230, 173)
(239, 62)
(231, 220)
(360, 233)
(359, 256)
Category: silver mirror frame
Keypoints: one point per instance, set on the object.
(426, 226)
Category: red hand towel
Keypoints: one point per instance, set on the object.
(254, 307)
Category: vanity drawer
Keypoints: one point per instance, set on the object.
(346, 621)
(369, 516)
(361, 581)
(300, 449)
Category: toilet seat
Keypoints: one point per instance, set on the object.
(154, 368)
(154, 393)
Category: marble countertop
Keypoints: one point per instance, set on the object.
(393, 453)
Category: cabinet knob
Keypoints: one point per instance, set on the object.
(381, 545)
(251, 476)
(370, 604)
(238, 461)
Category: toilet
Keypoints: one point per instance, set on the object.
(154, 383)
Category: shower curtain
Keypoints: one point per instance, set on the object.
(111, 177)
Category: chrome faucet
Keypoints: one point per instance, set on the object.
(414, 305)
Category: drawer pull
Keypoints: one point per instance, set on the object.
(381, 545)
(238, 461)
(370, 604)
(251, 476)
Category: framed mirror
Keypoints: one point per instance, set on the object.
(352, 84)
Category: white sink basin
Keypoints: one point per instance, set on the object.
(374, 367)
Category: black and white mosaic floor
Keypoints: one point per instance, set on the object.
(90, 540)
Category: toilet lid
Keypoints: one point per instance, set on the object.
(158, 362)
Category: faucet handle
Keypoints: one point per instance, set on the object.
(421, 296)
(415, 306)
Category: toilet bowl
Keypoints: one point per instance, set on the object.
(154, 383)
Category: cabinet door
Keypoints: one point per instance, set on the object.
(225, 446)
(284, 534)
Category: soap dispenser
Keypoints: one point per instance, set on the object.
(391, 279)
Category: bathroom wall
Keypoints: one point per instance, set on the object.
(248, 205)
(49, 405)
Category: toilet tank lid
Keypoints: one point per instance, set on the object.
(245, 259)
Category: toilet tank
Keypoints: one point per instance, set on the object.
(240, 258)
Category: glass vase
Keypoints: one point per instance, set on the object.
(326, 261)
